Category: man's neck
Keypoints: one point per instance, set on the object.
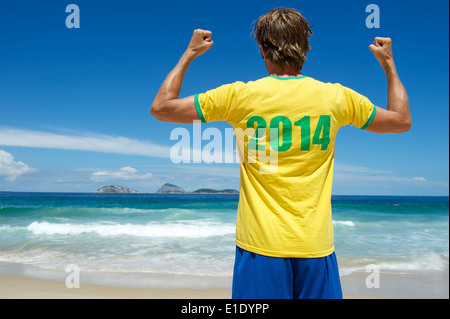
(285, 75)
(275, 70)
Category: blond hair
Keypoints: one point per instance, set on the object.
(284, 34)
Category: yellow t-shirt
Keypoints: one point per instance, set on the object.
(285, 131)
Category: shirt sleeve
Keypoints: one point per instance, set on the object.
(358, 109)
(216, 104)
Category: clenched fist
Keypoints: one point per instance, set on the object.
(382, 49)
(200, 42)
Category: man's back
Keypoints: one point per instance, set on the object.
(286, 130)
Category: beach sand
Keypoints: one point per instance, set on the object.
(13, 287)
(394, 286)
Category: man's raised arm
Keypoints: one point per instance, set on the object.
(396, 119)
(167, 106)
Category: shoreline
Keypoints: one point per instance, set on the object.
(26, 285)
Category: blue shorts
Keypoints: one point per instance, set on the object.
(262, 277)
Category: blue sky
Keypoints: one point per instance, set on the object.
(74, 103)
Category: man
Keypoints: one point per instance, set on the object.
(284, 231)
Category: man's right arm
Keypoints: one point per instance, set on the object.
(396, 119)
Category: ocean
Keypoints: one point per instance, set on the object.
(176, 241)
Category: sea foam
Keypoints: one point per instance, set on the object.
(344, 223)
(190, 229)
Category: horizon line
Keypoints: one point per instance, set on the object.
(191, 193)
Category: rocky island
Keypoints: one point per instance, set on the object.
(165, 189)
(213, 191)
(170, 189)
(114, 189)
(173, 189)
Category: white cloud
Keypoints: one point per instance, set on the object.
(123, 145)
(12, 169)
(125, 173)
(360, 170)
(358, 175)
(93, 143)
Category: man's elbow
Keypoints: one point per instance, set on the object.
(156, 111)
(153, 111)
(405, 125)
(408, 125)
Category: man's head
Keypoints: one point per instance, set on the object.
(284, 37)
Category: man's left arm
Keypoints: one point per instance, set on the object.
(167, 106)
